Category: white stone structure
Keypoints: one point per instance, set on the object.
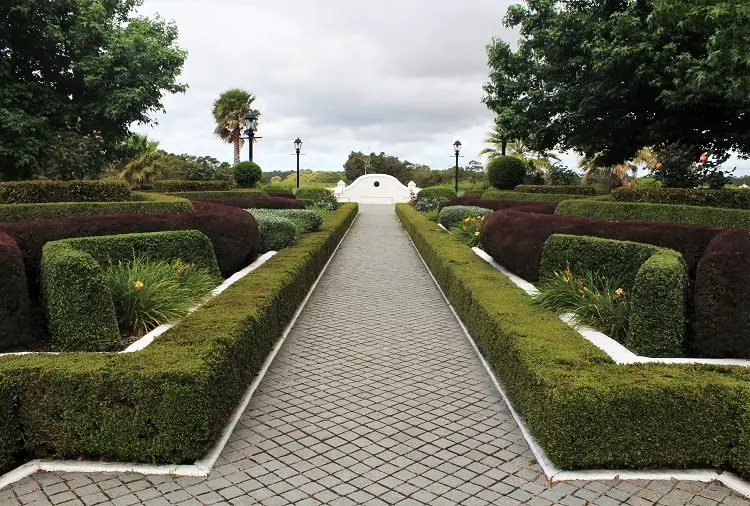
(375, 189)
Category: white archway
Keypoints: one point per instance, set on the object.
(375, 189)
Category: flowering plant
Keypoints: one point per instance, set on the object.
(468, 231)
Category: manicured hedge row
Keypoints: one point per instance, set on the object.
(496, 205)
(451, 216)
(169, 402)
(306, 220)
(722, 297)
(16, 329)
(233, 233)
(565, 190)
(142, 203)
(514, 195)
(259, 203)
(175, 185)
(654, 278)
(80, 312)
(319, 195)
(276, 232)
(734, 199)
(280, 192)
(586, 411)
(34, 192)
(217, 195)
(641, 211)
(443, 192)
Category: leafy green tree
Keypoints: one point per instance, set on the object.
(74, 75)
(229, 113)
(358, 163)
(607, 78)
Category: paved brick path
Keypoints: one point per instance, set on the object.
(375, 398)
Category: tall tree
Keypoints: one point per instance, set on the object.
(229, 113)
(610, 77)
(74, 75)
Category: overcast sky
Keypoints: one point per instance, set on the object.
(400, 76)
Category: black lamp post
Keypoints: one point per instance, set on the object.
(251, 124)
(297, 148)
(457, 149)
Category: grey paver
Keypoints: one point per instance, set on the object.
(376, 397)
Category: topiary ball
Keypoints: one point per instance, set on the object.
(247, 174)
(506, 172)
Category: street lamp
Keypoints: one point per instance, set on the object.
(457, 149)
(297, 148)
(251, 125)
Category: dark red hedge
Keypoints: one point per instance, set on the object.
(497, 205)
(515, 238)
(721, 324)
(232, 231)
(259, 203)
(15, 305)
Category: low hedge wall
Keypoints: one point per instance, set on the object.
(169, 402)
(514, 195)
(80, 312)
(260, 203)
(565, 190)
(175, 185)
(16, 329)
(654, 278)
(443, 192)
(641, 211)
(496, 205)
(306, 220)
(218, 195)
(35, 192)
(141, 203)
(586, 411)
(734, 199)
(280, 192)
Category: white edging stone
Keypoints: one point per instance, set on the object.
(552, 472)
(200, 468)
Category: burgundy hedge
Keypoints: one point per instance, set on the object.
(497, 205)
(721, 324)
(259, 203)
(233, 233)
(15, 305)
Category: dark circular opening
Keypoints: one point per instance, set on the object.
(377, 183)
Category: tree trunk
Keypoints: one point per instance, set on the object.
(236, 134)
(504, 145)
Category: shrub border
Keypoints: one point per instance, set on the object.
(180, 360)
(584, 409)
(493, 194)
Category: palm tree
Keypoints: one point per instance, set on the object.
(229, 112)
(627, 172)
(141, 167)
(498, 142)
(541, 160)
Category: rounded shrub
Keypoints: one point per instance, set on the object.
(506, 172)
(429, 199)
(247, 174)
(451, 216)
(319, 195)
(276, 232)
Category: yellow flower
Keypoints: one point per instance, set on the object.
(476, 233)
(619, 292)
(467, 220)
(138, 285)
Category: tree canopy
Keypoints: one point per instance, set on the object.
(609, 78)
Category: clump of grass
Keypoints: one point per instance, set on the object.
(148, 293)
(593, 300)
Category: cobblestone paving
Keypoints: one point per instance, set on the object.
(375, 398)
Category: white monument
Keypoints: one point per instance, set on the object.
(375, 189)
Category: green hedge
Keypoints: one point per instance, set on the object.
(585, 410)
(176, 185)
(444, 192)
(35, 192)
(306, 220)
(321, 196)
(450, 216)
(641, 211)
(170, 402)
(733, 199)
(211, 195)
(655, 278)
(276, 232)
(565, 190)
(78, 304)
(142, 203)
(513, 195)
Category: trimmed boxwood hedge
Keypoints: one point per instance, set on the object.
(276, 232)
(496, 205)
(306, 220)
(514, 195)
(443, 192)
(35, 192)
(733, 199)
(565, 190)
(641, 211)
(176, 185)
(260, 203)
(655, 278)
(16, 329)
(586, 411)
(451, 216)
(141, 203)
(217, 195)
(280, 192)
(169, 402)
(80, 312)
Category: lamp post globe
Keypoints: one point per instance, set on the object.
(251, 125)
